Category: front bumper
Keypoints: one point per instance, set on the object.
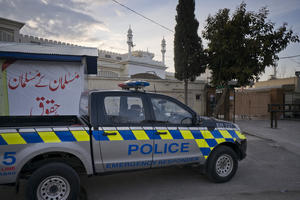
(243, 149)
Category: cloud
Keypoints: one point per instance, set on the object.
(119, 13)
(278, 8)
(55, 19)
(114, 42)
(32, 24)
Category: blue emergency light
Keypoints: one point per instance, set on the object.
(134, 84)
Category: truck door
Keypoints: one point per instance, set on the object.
(175, 138)
(124, 143)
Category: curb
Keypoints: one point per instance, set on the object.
(257, 136)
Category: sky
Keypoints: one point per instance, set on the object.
(104, 24)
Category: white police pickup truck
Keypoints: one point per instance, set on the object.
(117, 131)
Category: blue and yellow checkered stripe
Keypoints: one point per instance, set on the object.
(206, 140)
(10, 138)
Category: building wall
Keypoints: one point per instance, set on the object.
(136, 69)
(31, 39)
(6, 35)
(173, 88)
(276, 82)
(46, 87)
(254, 103)
(297, 86)
(9, 30)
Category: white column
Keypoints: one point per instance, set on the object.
(163, 50)
(129, 41)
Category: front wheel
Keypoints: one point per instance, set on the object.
(53, 181)
(222, 164)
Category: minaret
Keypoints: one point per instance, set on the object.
(129, 41)
(163, 49)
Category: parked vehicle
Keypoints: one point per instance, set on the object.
(116, 131)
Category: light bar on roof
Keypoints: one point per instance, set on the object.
(134, 84)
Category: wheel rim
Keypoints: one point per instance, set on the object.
(53, 188)
(224, 165)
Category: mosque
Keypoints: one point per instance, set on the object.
(110, 64)
(114, 68)
(132, 63)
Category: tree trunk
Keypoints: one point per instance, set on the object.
(226, 103)
(222, 106)
(186, 91)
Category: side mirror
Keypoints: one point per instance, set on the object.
(206, 123)
(211, 128)
(187, 120)
(210, 125)
(197, 120)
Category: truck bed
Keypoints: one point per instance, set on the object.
(39, 121)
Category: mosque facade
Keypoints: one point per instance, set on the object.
(112, 64)
(114, 68)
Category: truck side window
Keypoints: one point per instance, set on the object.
(123, 109)
(169, 112)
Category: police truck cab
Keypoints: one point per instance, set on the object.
(123, 130)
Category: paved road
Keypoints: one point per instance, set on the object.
(287, 135)
(270, 171)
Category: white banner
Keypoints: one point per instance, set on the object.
(40, 88)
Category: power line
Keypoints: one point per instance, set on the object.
(151, 20)
(289, 57)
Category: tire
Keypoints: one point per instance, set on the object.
(222, 164)
(53, 181)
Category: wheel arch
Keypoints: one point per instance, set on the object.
(54, 156)
(35, 155)
(233, 145)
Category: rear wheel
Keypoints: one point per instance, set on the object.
(53, 181)
(222, 164)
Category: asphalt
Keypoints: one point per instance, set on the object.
(271, 170)
(287, 135)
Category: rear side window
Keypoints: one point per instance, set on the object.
(123, 110)
(84, 104)
(112, 105)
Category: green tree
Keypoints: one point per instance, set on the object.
(188, 50)
(242, 45)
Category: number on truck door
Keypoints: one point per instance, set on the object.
(9, 158)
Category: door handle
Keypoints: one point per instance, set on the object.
(161, 133)
(109, 133)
